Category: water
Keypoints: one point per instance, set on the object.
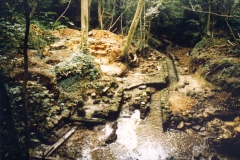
(146, 140)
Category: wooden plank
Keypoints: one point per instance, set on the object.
(45, 158)
(60, 141)
(86, 120)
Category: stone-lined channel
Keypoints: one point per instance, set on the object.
(145, 139)
(136, 138)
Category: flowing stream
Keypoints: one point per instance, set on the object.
(144, 139)
(138, 139)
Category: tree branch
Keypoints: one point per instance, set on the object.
(206, 12)
(64, 11)
(119, 17)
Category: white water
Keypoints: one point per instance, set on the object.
(127, 130)
(137, 139)
(128, 139)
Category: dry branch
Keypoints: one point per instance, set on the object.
(64, 11)
(206, 12)
(119, 17)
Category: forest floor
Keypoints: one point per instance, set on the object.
(191, 102)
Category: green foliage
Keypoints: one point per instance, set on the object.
(39, 37)
(11, 35)
(235, 52)
(233, 70)
(79, 66)
(13, 27)
(47, 20)
(224, 71)
(63, 1)
(43, 110)
(9, 142)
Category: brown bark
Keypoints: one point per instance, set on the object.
(24, 88)
(100, 23)
(208, 20)
(144, 24)
(149, 29)
(234, 37)
(84, 24)
(132, 28)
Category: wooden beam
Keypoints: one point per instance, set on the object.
(60, 141)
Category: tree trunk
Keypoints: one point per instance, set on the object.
(149, 29)
(234, 37)
(100, 14)
(84, 24)
(132, 29)
(24, 88)
(89, 10)
(141, 34)
(208, 20)
(113, 14)
(144, 24)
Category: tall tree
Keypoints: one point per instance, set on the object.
(100, 22)
(132, 28)
(24, 88)
(84, 24)
(208, 19)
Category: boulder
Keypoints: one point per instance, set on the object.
(187, 124)
(237, 120)
(54, 120)
(93, 95)
(190, 116)
(191, 93)
(186, 82)
(142, 87)
(65, 113)
(96, 101)
(181, 125)
(205, 114)
(81, 112)
(49, 125)
(237, 129)
(105, 99)
(99, 114)
(196, 128)
(202, 129)
(112, 138)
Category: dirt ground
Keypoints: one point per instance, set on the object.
(187, 82)
(106, 48)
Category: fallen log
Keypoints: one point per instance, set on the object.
(134, 86)
(86, 120)
(60, 141)
(45, 158)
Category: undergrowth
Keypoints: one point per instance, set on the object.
(219, 63)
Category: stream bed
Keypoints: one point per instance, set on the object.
(133, 136)
(136, 139)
